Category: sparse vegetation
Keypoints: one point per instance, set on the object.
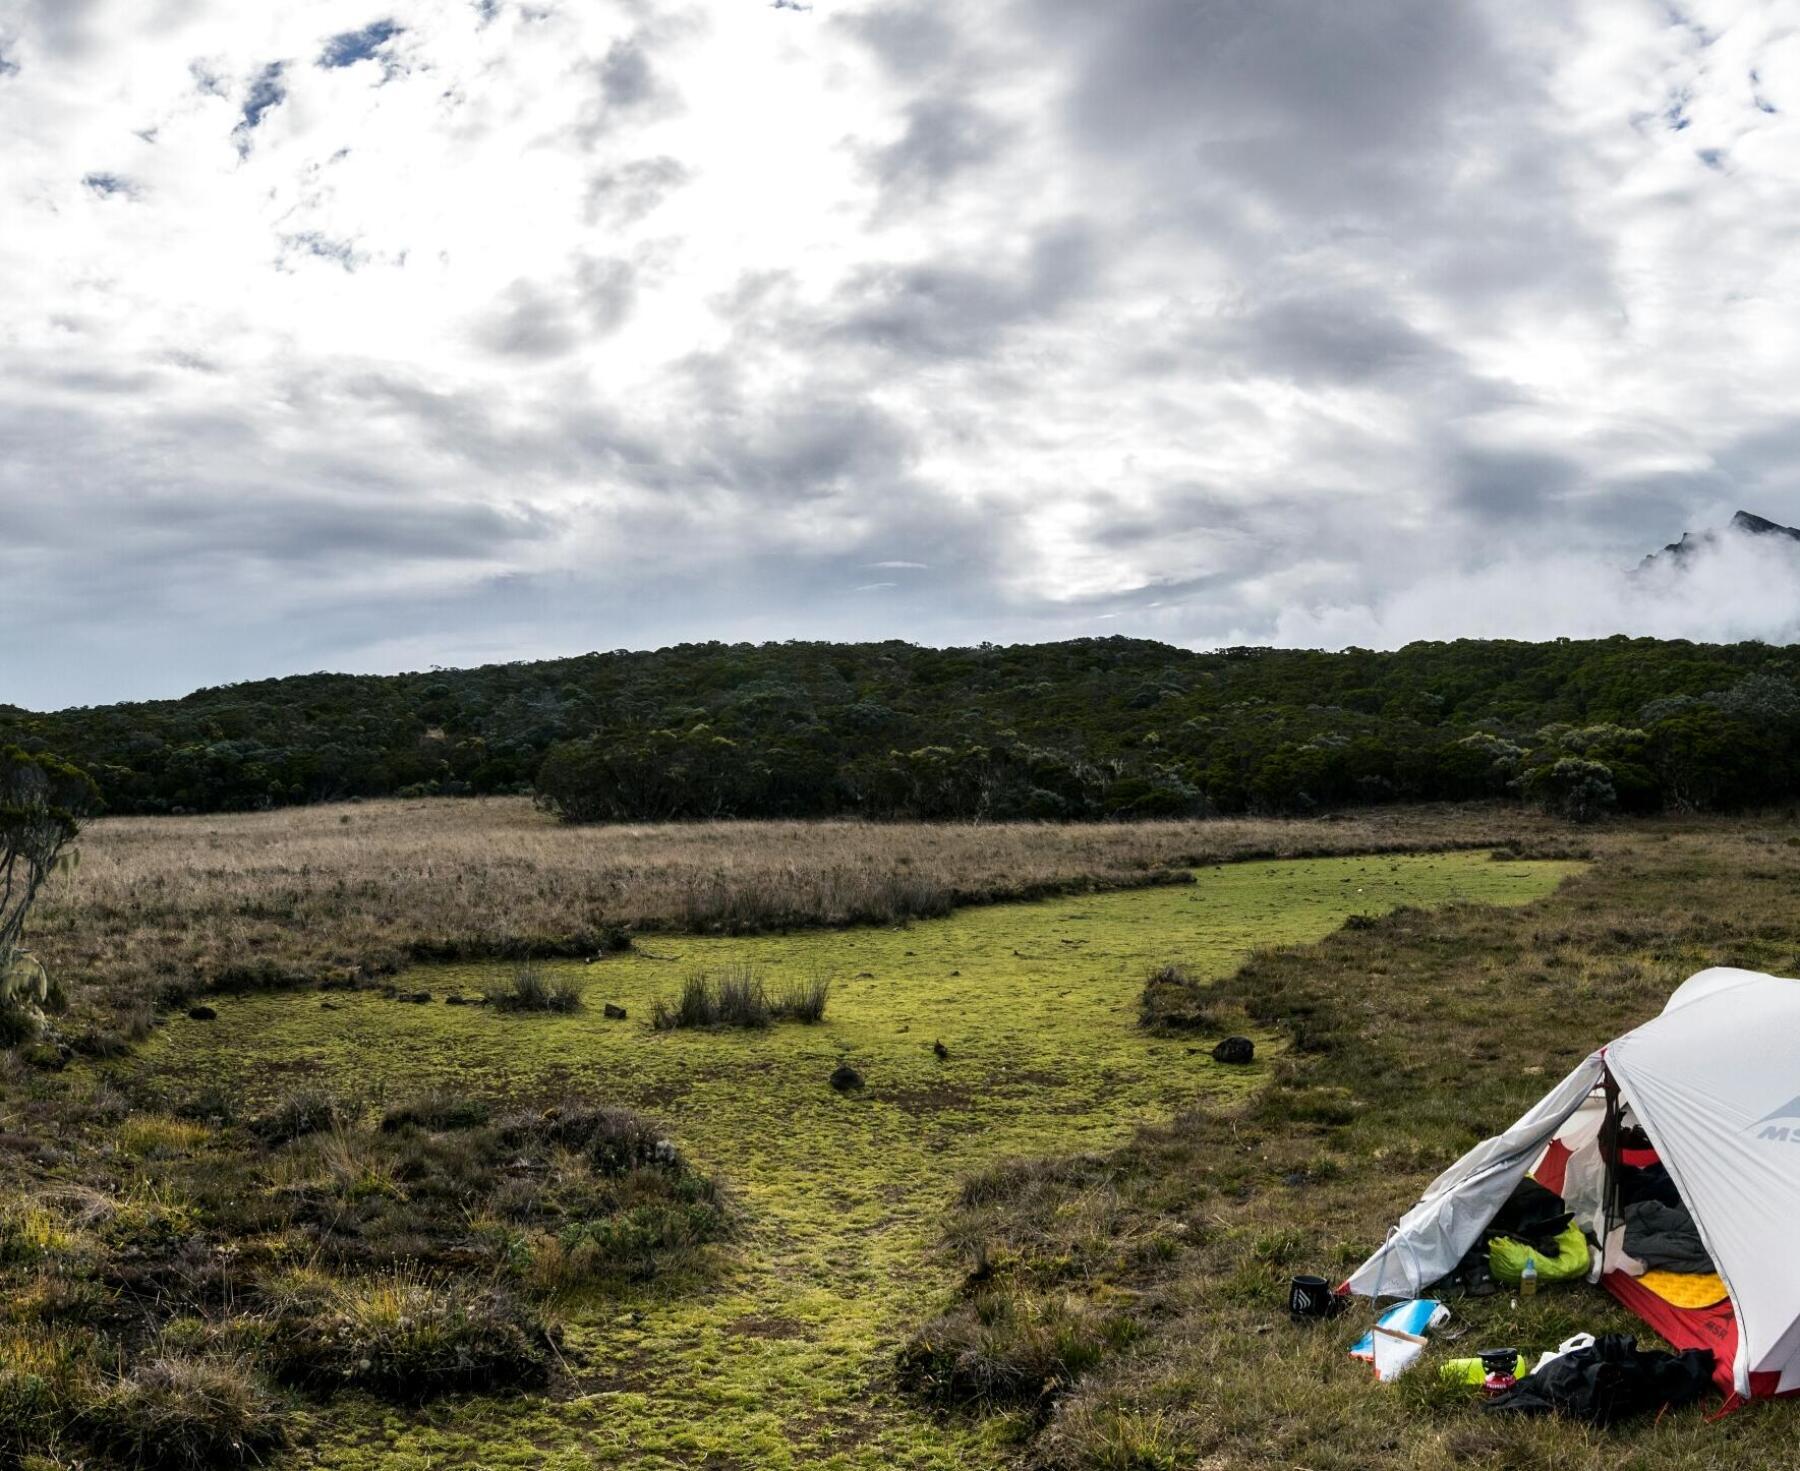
(531, 988)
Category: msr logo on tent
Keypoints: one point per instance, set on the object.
(1782, 1124)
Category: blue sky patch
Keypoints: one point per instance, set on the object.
(354, 46)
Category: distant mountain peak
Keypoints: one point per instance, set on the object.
(1742, 523)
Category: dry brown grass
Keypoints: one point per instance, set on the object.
(167, 907)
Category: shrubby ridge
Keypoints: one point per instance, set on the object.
(1095, 728)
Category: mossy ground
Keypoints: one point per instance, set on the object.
(783, 1360)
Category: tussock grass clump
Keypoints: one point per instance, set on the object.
(672, 1219)
(307, 1111)
(532, 989)
(30, 1231)
(436, 1112)
(404, 1335)
(1174, 1001)
(803, 1001)
(614, 1140)
(737, 997)
(178, 1413)
(1010, 1349)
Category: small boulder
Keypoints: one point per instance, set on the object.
(1235, 1050)
(202, 1014)
(846, 1079)
(612, 1011)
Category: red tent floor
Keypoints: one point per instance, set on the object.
(1714, 1327)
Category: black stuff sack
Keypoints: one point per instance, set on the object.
(1610, 1381)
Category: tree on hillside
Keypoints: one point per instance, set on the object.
(42, 804)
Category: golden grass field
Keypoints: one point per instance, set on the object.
(170, 906)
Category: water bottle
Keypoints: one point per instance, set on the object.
(1528, 1278)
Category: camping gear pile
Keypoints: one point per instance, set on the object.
(1666, 1169)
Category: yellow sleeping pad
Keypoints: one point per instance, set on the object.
(1685, 1289)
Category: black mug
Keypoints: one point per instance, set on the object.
(1312, 1297)
(1499, 1361)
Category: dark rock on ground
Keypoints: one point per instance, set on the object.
(845, 1078)
(1235, 1050)
(202, 1014)
(613, 1012)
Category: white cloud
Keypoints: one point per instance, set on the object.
(346, 334)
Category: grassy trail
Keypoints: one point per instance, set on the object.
(782, 1360)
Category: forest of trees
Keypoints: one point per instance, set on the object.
(1094, 728)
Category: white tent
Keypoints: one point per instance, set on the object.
(1714, 1081)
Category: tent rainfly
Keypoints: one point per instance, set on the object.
(1714, 1082)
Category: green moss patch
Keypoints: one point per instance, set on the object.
(786, 1360)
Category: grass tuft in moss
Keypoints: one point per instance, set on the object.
(737, 997)
(530, 988)
(307, 1111)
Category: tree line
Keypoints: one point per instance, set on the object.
(1087, 729)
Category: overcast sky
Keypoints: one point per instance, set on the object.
(358, 335)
